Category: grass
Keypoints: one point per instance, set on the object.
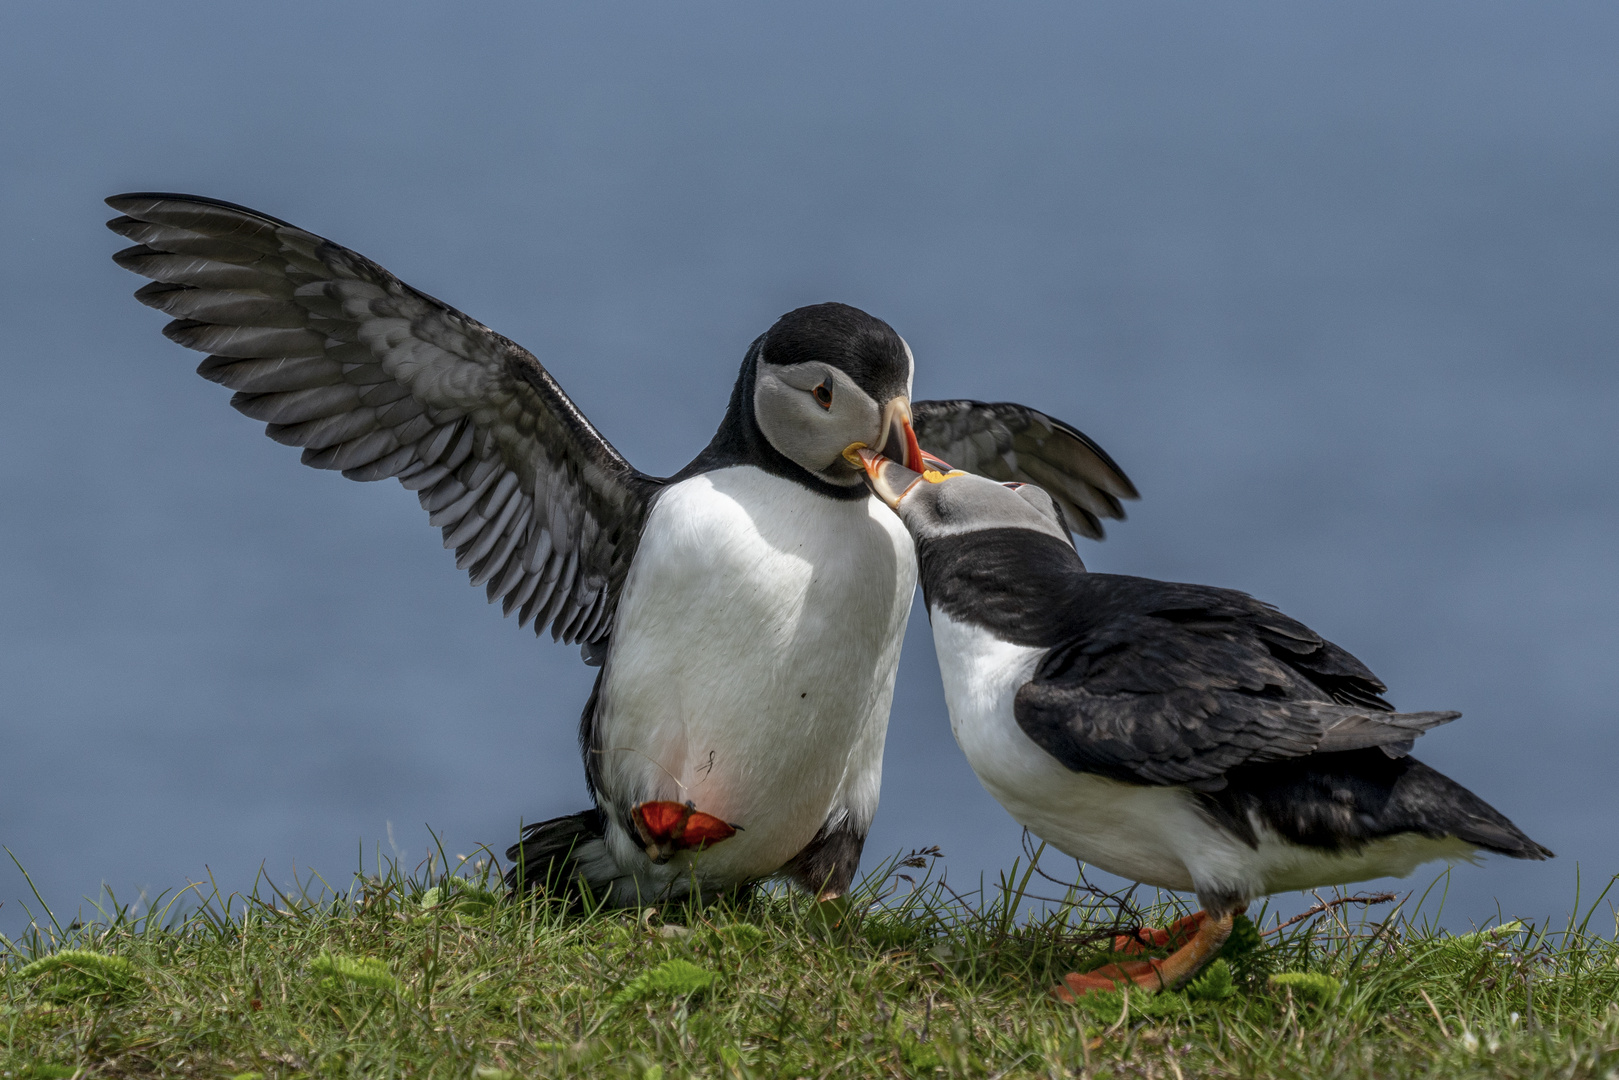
(433, 974)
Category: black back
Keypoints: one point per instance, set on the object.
(1032, 589)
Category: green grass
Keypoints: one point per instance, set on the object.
(436, 975)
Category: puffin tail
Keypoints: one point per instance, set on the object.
(1439, 805)
(547, 858)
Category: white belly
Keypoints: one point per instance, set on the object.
(1155, 835)
(752, 667)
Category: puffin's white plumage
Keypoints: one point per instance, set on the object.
(734, 564)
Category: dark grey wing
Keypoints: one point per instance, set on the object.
(373, 378)
(1178, 684)
(1006, 441)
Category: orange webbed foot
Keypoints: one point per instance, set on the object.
(1131, 974)
(667, 828)
(1208, 934)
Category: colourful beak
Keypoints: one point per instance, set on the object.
(899, 443)
(889, 480)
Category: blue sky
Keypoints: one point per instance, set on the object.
(1336, 285)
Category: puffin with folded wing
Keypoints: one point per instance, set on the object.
(1184, 736)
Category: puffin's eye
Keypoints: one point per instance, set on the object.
(823, 395)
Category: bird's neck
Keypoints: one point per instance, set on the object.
(739, 441)
(1015, 582)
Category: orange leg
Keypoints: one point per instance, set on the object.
(1153, 975)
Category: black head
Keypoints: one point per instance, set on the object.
(822, 378)
(862, 346)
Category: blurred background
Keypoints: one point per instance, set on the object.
(1336, 285)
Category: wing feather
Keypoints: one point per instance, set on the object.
(1161, 683)
(1010, 442)
(375, 379)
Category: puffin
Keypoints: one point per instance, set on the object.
(745, 614)
(1188, 737)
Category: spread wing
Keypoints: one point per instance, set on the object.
(1177, 684)
(1005, 441)
(371, 377)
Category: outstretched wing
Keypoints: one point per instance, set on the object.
(1178, 684)
(1006, 441)
(371, 377)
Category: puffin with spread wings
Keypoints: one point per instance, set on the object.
(746, 613)
(1184, 736)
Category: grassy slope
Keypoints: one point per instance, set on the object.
(393, 980)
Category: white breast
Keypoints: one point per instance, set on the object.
(753, 661)
(1124, 829)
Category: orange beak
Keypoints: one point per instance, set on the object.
(899, 438)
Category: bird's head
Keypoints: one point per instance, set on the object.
(939, 501)
(830, 375)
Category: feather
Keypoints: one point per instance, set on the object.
(352, 353)
(462, 448)
(386, 392)
(563, 595)
(432, 448)
(517, 596)
(388, 465)
(244, 341)
(272, 374)
(498, 495)
(458, 509)
(411, 430)
(512, 572)
(495, 535)
(420, 476)
(198, 215)
(458, 531)
(539, 550)
(221, 306)
(442, 494)
(192, 270)
(354, 453)
(296, 406)
(488, 509)
(501, 563)
(326, 431)
(173, 238)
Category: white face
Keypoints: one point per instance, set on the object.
(964, 503)
(810, 412)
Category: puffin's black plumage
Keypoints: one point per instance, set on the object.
(1341, 801)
